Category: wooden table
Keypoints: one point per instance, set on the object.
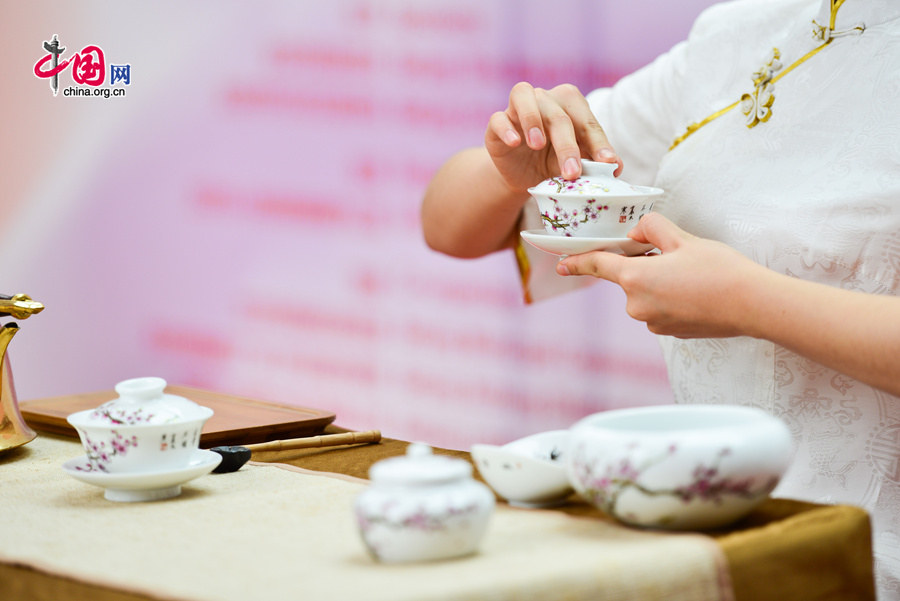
(785, 549)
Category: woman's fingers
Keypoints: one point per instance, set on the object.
(657, 230)
(561, 133)
(546, 132)
(525, 112)
(603, 265)
(590, 136)
(653, 229)
(561, 117)
(504, 129)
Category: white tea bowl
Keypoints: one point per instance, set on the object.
(679, 467)
(422, 507)
(143, 430)
(596, 205)
(528, 472)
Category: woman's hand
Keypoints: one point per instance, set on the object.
(704, 289)
(544, 133)
(694, 289)
(473, 204)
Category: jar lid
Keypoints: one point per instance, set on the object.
(142, 402)
(596, 180)
(419, 466)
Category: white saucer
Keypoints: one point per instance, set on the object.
(144, 486)
(574, 245)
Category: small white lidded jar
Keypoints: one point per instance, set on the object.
(422, 507)
(143, 430)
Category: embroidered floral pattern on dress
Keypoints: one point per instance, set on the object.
(757, 105)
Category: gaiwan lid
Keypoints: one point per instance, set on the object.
(596, 180)
(419, 467)
(142, 401)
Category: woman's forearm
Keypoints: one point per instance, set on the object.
(468, 209)
(854, 333)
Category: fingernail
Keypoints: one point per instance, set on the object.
(562, 268)
(535, 137)
(511, 136)
(606, 153)
(571, 168)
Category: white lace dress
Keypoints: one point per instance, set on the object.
(812, 192)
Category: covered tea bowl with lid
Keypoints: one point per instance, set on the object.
(143, 429)
(597, 204)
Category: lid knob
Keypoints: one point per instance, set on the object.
(417, 450)
(141, 389)
(595, 168)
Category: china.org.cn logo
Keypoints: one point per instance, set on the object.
(88, 68)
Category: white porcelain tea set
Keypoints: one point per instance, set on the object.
(142, 445)
(677, 467)
(672, 467)
(593, 212)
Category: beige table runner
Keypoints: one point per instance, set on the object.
(273, 532)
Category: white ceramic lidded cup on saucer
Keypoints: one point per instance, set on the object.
(595, 205)
(422, 507)
(143, 430)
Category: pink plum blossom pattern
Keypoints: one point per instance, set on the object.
(100, 454)
(581, 185)
(420, 520)
(568, 221)
(121, 417)
(706, 484)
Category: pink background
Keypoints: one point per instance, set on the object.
(246, 218)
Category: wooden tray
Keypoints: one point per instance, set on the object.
(236, 420)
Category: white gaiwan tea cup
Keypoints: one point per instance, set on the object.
(142, 430)
(595, 205)
(422, 507)
(680, 467)
(528, 472)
